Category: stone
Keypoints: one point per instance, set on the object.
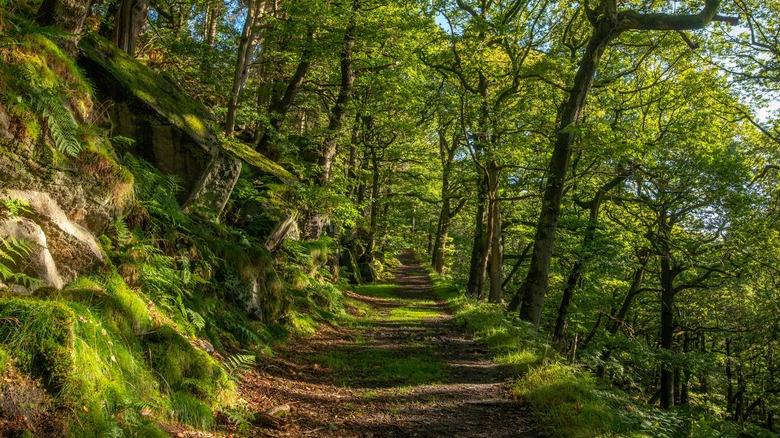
(213, 190)
(5, 126)
(69, 248)
(40, 263)
(170, 129)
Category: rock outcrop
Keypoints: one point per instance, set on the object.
(168, 128)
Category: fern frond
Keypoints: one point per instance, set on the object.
(123, 234)
(240, 417)
(196, 319)
(13, 250)
(237, 363)
(16, 207)
(62, 125)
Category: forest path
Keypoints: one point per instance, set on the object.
(402, 370)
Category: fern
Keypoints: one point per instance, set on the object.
(16, 207)
(240, 416)
(123, 234)
(238, 363)
(62, 125)
(13, 250)
(196, 319)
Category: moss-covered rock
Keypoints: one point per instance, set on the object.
(168, 127)
(41, 335)
(182, 366)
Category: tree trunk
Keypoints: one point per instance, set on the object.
(479, 247)
(494, 225)
(213, 14)
(520, 259)
(447, 156)
(317, 219)
(67, 16)
(667, 311)
(246, 47)
(129, 18)
(575, 276)
(280, 104)
(534, 286)
(441, 237)
(607, 25)
(374, 204)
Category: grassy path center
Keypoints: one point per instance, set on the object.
(400, 370)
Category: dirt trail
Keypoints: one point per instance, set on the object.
(468, 398)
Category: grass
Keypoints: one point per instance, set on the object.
(378, 290)
(364, 364)
(385, 367)
(412, 315)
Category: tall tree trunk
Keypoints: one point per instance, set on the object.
(213, 14)
(338, 114)
(374, 204)
(494, 224)
(667, 310)
(246, 47)
(479, 246)
(280, 104)
(441, 236)
(534, 287)
(447, 156)
(575, 276)
(608, 24)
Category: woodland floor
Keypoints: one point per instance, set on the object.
(402, 371)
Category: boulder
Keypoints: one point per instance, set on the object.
(169, 128)
(65, 248)
(40, 264)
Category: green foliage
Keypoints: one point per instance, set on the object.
(62, 125)
(13, 251)
(15, 207)
(565, 399)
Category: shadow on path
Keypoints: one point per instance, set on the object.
(455, 390)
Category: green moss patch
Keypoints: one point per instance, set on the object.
(255, 159)
(378, 290)
(41, 335)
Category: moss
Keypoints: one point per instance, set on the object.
(190, 410)
(41, 335)
(182, 366)
(255, 159)
(35, 78)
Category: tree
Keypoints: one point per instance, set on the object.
(607, 24)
